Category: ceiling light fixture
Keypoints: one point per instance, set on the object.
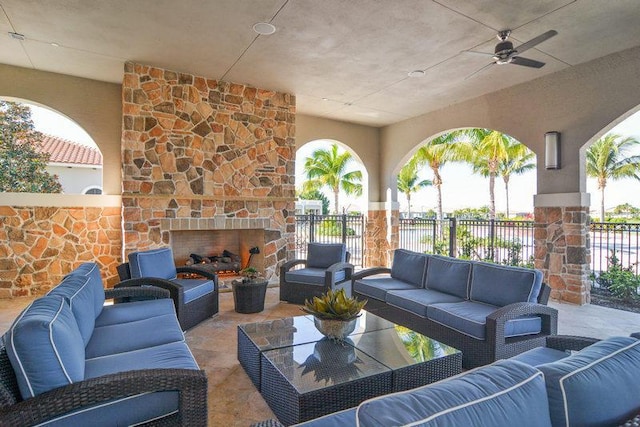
(17, 36)
(54, 44)
(416, 73)
(264, 28)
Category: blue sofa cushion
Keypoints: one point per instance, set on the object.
(346, 418)
(124, 337)
(195, 288)
(134, 311)
(311, 276)
(596, 386)
(323, 255)
(377, 287)
(449, 275)
(540, 355)
(470, 318)
(503, 394)
(409, 266)
(417, 300)
(153, 263)
(92, 271)
(174, 355)
(45, 347)
(503, 285)
(80, 297)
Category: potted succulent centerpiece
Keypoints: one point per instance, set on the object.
(334, 313)
(249, 292)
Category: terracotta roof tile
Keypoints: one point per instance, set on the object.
(65, 151)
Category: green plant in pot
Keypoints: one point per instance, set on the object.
(334, 313)
(250, 275)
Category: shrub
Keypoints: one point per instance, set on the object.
(621, 281)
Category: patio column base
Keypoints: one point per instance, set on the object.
(562, 245)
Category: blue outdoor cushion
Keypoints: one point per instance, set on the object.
(311, 276)
(470, 318)
(78, 293)
(123, 337)
(323, 255)
(346, 418)
(195, 288)
(377, 287)
(409, 266)
(92, 271)
(174, 355)
(45, 347)
(449, 275)
(540, 355)
(596, 386)
(503, 394)
(503, 285)
(153, 263)
(134, 311)
(417, 300)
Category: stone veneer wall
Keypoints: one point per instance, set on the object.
(194, 147)
(378, 246)
(40, 245)
(562, 251)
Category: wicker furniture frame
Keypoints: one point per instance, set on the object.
(297, 293)
(190, 384)
(262, 364)
(475, 352)
(189, 314)
(249, 297)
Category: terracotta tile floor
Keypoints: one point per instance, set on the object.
(234, 401)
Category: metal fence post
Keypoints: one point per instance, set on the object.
(492, 238)
(435, 234)
(312, 231)
(344, 228)
(452, 237)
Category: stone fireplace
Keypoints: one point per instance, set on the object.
(206, 160)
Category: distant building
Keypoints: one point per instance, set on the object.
(308, 207)
(79, 168)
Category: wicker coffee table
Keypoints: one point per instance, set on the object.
(302, 375)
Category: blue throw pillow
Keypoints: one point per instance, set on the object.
(501, 285)
(77, 291)
(449, 275)
(153, 263)
(597, 386)
(323, 255)
(409, 266)
(45, 347)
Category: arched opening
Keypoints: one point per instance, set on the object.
(74, 160)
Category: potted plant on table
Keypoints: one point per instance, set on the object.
(249, 292)
(334, 313)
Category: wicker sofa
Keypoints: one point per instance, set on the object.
(487, 311)
(595, 386)
(70, 360)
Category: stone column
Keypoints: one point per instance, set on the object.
(562, 244)
(381, 234)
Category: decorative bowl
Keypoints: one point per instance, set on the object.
(335, 329)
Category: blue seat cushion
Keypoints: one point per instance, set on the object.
(448, 275)
(76, 289)
(596, 386)
(540, 355)
(377, 287)
(174, 355)
(346, 418)
(503, 394)
(409, 266)
(195, 288)
(135, 310)
(124, 337)
(417, 300)
(45, 347)
(153, 263)
(503, 285)
(323, 255)
(470, 318)
(311, 276)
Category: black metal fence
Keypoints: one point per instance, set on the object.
(348, 229)
(619, 239)
(507, 242)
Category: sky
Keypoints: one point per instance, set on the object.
(460, 187)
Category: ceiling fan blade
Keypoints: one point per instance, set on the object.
(518, 60)
(478, 53)
(475, 73)
(535, 41)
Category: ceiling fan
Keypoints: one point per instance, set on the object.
(505, 53)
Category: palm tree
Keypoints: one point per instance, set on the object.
(608, 159)
(485, 150)
(436, 153)
(327, 168)
(517, 162)
(408, 181)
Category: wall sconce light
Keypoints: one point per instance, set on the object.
(552, 150)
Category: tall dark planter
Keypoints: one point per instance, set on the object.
(249, 297)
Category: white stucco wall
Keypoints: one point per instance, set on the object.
(75, 180)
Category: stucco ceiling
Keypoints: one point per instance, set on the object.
(343, 59)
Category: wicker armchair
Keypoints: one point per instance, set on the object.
(326, 267)
(191, 385)
(195, 299)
